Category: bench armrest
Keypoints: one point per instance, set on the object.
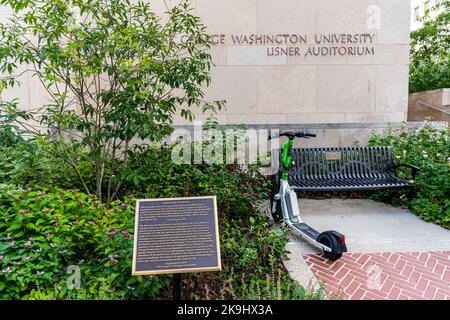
(414, 168)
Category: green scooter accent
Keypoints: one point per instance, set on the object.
(286, 158)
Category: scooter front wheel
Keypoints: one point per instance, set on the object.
(331, 242)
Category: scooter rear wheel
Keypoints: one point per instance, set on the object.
(332, 243)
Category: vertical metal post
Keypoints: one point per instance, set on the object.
(176, 287)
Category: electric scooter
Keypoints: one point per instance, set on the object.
(284, 205)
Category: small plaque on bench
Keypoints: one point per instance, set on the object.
(333, 156)
(176, 235)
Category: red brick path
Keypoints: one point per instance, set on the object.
(387, 275)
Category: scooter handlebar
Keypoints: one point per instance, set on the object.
(307, 134)
(302, 134)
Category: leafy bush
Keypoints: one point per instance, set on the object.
(92, 235)
(9, 114)
(430, 52)
(428, 148)
(52, 228)
(44, 232)
(153, 174)
(30, 163)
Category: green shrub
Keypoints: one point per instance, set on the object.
(429, 149)
(9, 114)
(30, 163)
(44, 232)
(153, 174)
(430, 52)
(91, 234)
(91, 231)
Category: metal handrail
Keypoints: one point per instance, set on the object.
(434, 107)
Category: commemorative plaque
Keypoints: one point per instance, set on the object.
(176, 235)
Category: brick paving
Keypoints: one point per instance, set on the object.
(384, 276)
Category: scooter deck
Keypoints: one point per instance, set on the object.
(307, 230)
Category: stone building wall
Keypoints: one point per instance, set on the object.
(338, 66)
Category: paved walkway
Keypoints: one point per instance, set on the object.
(393, 254)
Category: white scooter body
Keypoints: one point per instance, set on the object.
(291, 215)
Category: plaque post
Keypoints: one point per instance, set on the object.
(176, 287)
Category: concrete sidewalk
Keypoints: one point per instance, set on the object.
(369, 227)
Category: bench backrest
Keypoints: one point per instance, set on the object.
(344, 163)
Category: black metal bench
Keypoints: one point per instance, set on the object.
(341, 169)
